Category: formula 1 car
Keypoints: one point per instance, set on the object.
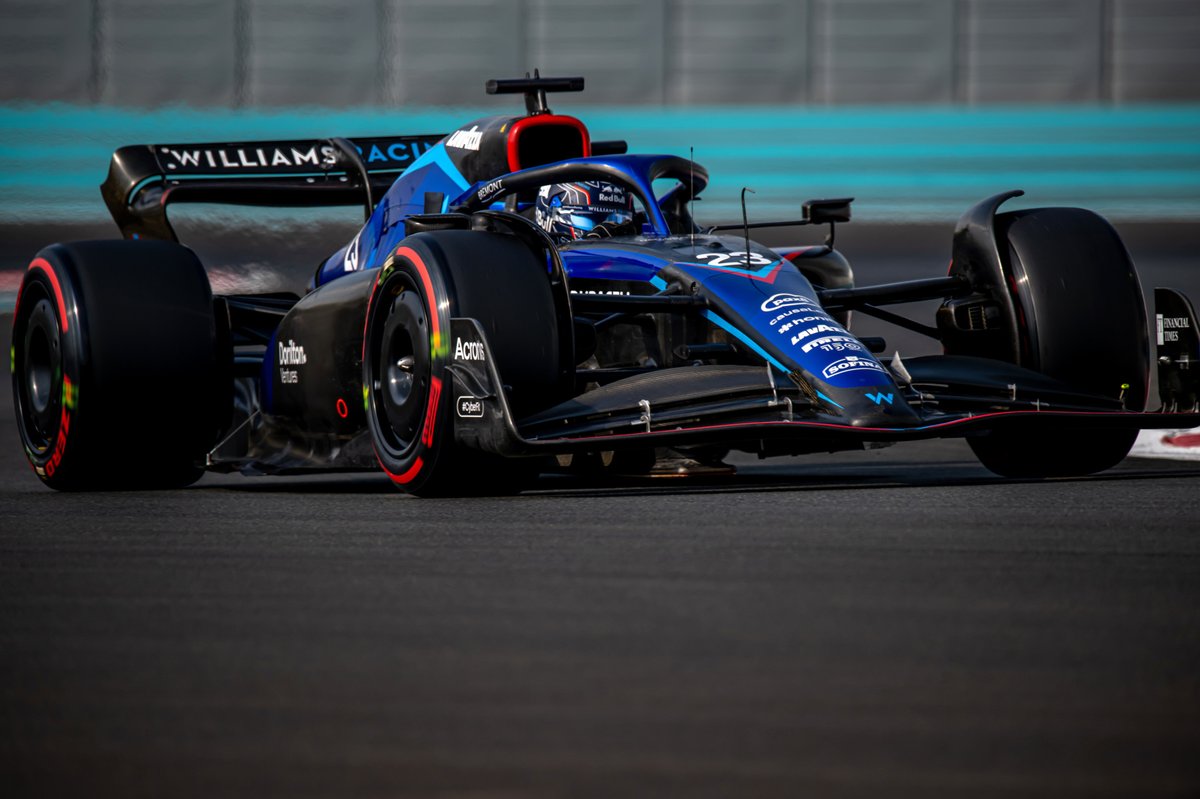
(456, 345)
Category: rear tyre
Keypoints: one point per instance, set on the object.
(1081, 318)
(429, 279)
(114, 363)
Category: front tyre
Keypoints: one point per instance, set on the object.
(1061, 453)
(1080, 318)
(496, 279)
(404, 360)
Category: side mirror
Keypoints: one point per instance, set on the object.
(820, 212)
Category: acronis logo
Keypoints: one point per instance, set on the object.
(393, 152)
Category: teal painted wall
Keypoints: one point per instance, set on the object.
(902, 163)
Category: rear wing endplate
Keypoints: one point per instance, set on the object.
(143, 179)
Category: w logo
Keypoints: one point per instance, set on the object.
(880, 398)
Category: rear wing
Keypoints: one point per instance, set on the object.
(143, 179)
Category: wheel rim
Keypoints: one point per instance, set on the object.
(400, 378)
(401, 385)
(40, 374)
(39, 368)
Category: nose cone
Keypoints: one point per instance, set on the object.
(876, 402)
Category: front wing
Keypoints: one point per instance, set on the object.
(755, 413)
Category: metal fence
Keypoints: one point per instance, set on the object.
(265, 53)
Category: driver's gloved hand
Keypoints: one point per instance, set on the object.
(608, 230)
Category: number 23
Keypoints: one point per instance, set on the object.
(736, 258)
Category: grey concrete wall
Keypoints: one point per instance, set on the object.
(264, 53)
(1155, 51)
(48, 50)
(1031, 50)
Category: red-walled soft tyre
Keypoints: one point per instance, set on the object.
(404, 362)
(428, 279)
(114, 364)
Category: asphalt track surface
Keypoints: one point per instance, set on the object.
(888, 623)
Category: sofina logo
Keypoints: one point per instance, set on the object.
(851, 363)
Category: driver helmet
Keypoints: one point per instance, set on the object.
(569, 211)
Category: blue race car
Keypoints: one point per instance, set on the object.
(521, 298)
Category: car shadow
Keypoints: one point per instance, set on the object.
(750, 479)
